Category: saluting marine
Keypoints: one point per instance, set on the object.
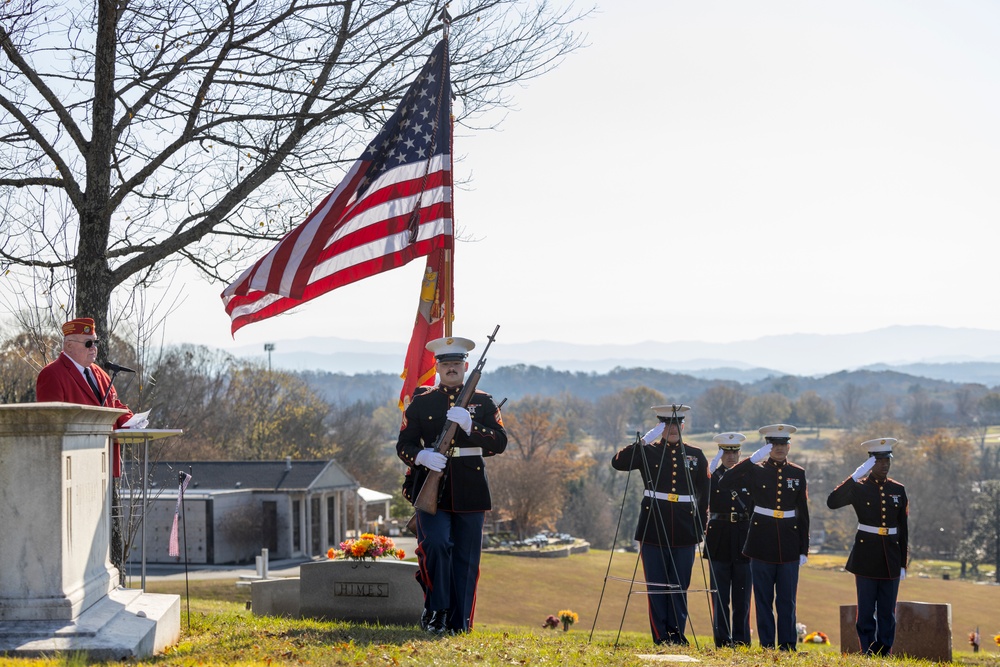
(778, 539)
(881, 552)
(728, 524)
(671, 518)
(449, 542)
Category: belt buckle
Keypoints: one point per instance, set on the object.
(734, 517)
(883, 531)
(452, 452)
(672, 497)
(778, 514)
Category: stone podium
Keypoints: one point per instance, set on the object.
(57, 584)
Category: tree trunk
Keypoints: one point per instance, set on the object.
(94, 281)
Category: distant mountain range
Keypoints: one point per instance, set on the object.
(955, 355)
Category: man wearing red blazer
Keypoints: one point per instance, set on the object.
(66, 379)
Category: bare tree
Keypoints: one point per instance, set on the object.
(810, 409)
(849, 399)
(720, 406)
(529, 480)
(941, 487)
(134, 134)
(766, 409)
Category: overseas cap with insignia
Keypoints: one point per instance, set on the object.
(451, 348)
(880, 448)
(80, 326)
(730, 442)
(777, 433)
(670, 413)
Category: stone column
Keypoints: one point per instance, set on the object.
(324, 530)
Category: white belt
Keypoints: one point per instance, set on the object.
(465, 451)
(777, 514)
(876, 530)
(672, 497)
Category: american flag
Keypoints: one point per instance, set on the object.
(393, 205)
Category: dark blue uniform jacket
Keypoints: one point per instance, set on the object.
(680, 470)
(777, 487)
(465, 487)
(879, 505)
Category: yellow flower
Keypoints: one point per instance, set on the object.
(568, 616)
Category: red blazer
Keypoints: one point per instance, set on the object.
(61, 381)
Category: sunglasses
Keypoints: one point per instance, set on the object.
(89, 343)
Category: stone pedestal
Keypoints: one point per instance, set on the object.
(55, 477)
(381, 592)
(923, 630)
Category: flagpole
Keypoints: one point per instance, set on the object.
(448, 294)
(449, 263)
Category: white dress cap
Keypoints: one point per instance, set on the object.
(451, 348)
(880, 448)
(673, 412)
(730, 441)
(777, 431)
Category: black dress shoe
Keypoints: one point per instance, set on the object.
(437, 623)
(425, 616)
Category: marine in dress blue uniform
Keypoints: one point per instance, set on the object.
(881, 552)
(778, 539)
(728, 524)
(449, 543)
(671, 518)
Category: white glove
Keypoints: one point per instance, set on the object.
(431, 459)
(715, 462)
(803, 560)
(761, 454)
(654, 433)
(863, 469)
(902, 573)
(461, 417)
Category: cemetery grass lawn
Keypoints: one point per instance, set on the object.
(515, 596)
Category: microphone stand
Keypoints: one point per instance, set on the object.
(107, 392)
(117, 538)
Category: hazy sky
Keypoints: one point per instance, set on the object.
(718, 171)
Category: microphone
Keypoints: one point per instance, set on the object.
(115, 368)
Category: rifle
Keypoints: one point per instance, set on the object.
(427, 499)
(411, 524)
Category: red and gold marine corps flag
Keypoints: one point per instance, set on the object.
(432, 314)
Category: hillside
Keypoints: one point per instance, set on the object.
(874, 389)
(523, 591)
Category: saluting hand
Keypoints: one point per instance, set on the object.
(653, 434)
(715, 462)
(863, 469)
(761, 454)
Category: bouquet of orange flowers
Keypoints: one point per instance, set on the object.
(368, 546)
(816, 638)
